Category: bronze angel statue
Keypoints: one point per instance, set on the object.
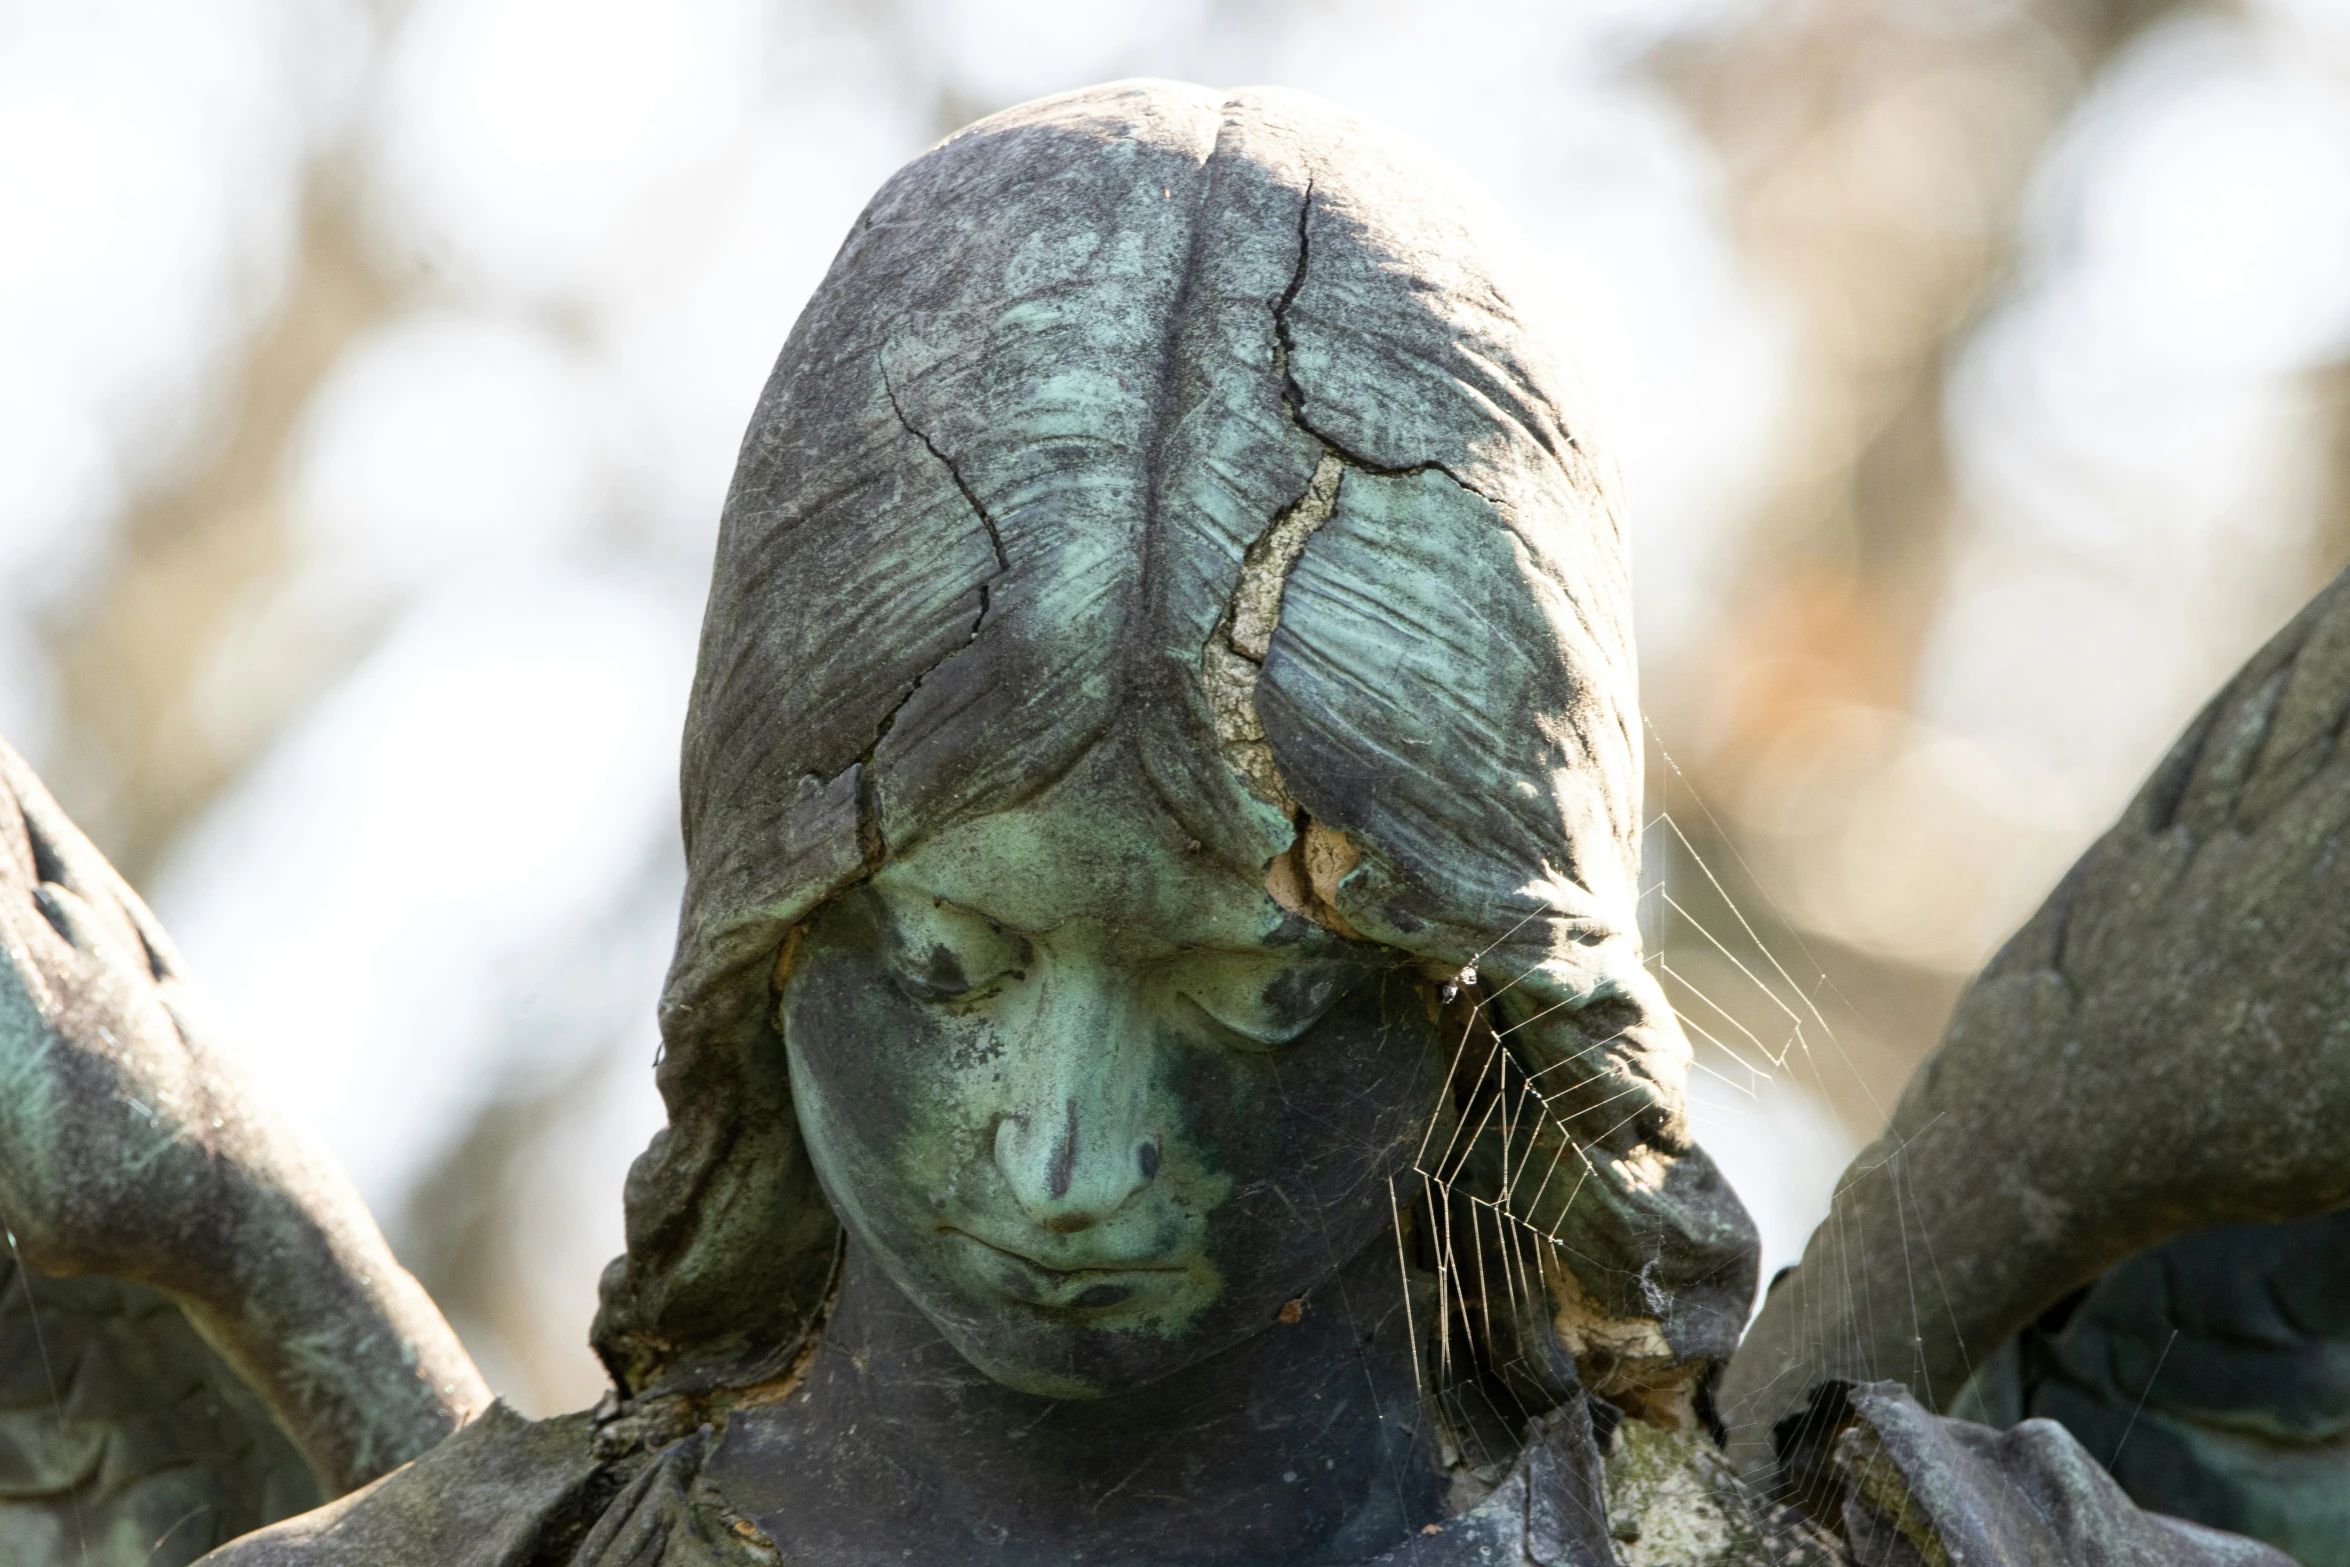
(1159, 1057)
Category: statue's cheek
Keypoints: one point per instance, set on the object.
(935, 1088)
(1213, 1104)
(882, 1085)
(1332, 1121)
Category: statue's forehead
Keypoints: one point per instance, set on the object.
(1100, 849)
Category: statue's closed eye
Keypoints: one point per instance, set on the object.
(938, 977)
(1266, 998)
(944, 955)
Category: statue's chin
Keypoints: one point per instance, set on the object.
(1091, 1369)
(1056, 1354)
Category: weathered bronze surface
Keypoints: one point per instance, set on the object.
(135, 1154)
(2210, 1375)
(2163, 1047)
(1159, 1062)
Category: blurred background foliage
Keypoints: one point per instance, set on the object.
(371, 371)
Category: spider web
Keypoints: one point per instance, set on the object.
(1482, 1213)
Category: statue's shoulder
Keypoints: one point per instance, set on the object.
(510, 1492)
(499, 1490)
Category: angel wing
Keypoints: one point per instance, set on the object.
(2159, 1050)
(123, 1436)
(201, 1327)
(2211, 1375)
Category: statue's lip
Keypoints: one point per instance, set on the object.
(1063, 1270)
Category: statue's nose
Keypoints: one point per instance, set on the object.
(1073, 1171)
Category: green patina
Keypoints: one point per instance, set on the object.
(1078, 1000)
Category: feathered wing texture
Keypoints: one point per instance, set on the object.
(2211, 1375)
(1066, 379)
(213, 1307)
(2164, 1046)
(124, 1440)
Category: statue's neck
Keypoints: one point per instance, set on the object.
(1302, 1444)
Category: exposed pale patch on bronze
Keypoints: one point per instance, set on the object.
(1235, 655)
(1304, 879)
(1625, 1360)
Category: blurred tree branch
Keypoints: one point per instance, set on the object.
(137, 764)
(1878, 152)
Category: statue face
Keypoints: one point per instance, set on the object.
(1099, 1106)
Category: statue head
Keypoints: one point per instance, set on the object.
(1168, 622)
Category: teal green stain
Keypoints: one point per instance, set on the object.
(1067, 957)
